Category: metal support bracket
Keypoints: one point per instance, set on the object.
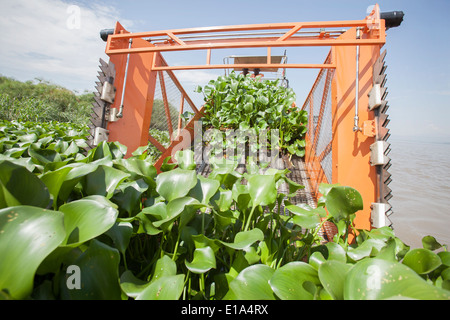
(377, 153)
(108, 92)
(368, 128)
(100, 134)
(378, 215)
(112, 116)
(375, 97)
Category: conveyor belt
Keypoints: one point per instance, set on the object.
(297, 174)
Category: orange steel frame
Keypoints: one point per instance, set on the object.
(350, 150)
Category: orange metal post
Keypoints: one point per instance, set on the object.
(132, 129)
(351, 150)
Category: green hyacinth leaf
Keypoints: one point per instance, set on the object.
(373, 279)
(27, 236)
(203, 261)
(18, 186)
(290, 282)
(87, 218)
(422, 261)
(252, 283)
(262, 189)
(175, 183)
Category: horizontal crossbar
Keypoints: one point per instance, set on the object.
(249, 66)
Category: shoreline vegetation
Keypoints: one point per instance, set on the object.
(42, 101)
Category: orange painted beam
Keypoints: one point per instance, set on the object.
(156, 143)
(248, 27)
(351, 150)
(182, 141)
(248, 44)
(250, 66)
(132, 129)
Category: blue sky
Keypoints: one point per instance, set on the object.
(37, 41)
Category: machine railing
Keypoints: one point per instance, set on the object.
(300, 34)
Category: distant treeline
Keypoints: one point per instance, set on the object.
(42, 101)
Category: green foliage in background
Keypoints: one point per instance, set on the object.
(159, 117)
(42, 101)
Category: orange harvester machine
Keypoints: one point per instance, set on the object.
(347, 128)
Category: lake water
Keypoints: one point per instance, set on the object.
(421, 191)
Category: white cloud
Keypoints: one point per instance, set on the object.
(43, 38)
(197, 77)
(190, 79)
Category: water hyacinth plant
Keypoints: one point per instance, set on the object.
(242, 102)
(97, 225)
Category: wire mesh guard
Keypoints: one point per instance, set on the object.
(170, 106)
(318, 158)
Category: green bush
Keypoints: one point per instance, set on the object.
(27, 101)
